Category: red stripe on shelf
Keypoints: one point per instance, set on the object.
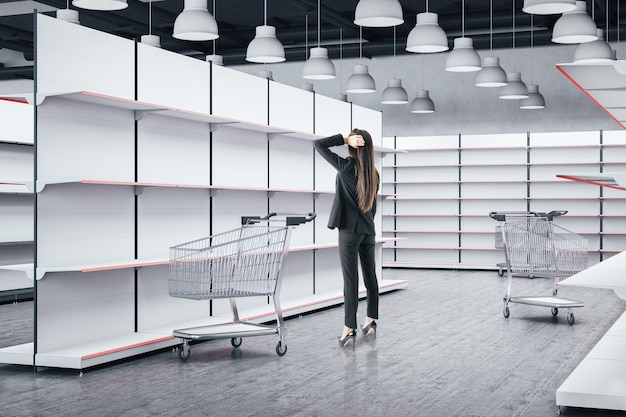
(569, 77)
(136, 345)
(16, 100)
(568, 177)
(125, 266)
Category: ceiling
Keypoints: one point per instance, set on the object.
(489, 27)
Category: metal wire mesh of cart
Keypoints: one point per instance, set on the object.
(536, 246)
(243, 262)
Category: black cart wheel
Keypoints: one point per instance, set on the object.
(506, 312)
(571, 319)
(281, 349)
(500, 272)
(184, 352)
(555, 311)
(236, 341)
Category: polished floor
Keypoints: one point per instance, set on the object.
(443, 348)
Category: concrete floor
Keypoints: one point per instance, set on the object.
(443, 349)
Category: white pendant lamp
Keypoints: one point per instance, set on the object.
(593, 52)
(150, 39)
(534, 101)
(195, 23)
(491, 75)
(575, 26)
(68, 14)
(394, 93)
(378, 13)
(422, 103)
(463, 57)
(548, 6)
(215, 59)
(104, 5)
(318, 66)
(515, 88)
(360, 82)
(427, 36)
(265, 48)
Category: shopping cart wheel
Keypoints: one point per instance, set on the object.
(281, 349)
(506, 312)
(184, 352)
(555, 311)
(500, 272)
(571, 319)
(236, 341)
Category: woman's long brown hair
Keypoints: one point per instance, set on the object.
(366, 174)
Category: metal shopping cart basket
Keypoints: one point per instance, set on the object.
(536, 247)
(243, 262)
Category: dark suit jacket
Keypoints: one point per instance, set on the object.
(345, 213)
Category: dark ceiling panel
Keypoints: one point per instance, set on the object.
(237, 20)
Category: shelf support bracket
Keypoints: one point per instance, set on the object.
(213, 192)
(271, 194)
(140, 113)
(139, 189)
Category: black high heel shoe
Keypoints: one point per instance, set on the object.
(370, 328)
(344, 341)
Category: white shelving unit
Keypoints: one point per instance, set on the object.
(444, 188)
(16, 201)
(598, 382)
(133, 158)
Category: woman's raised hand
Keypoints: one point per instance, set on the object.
(355, 141)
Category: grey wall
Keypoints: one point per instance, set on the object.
(461, 107)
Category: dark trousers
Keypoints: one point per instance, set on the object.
(352, 248)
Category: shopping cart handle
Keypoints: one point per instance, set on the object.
(289, 219)
(294, 221)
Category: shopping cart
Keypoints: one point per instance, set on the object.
(516, 215)
(536, 247)
(243, 262)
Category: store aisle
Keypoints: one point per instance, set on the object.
(443, 349)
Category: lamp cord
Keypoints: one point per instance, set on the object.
(265, 12)
(491, 26)
(319, 21)
(463, 18)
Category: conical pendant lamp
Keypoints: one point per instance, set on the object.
(318, 66)
(534, 101)
(378, 13)
(515, 88)
(463, 57)
(265, 48)
(394, 93)
(195, 23)
(427, 36)
(491, 75)
(548, 6)
(68, 14)
(150, 39)
(594, 51)
(575, 26)
(104, 5)
(422, 103)
(360, 82)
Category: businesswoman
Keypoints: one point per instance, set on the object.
(352, 212)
